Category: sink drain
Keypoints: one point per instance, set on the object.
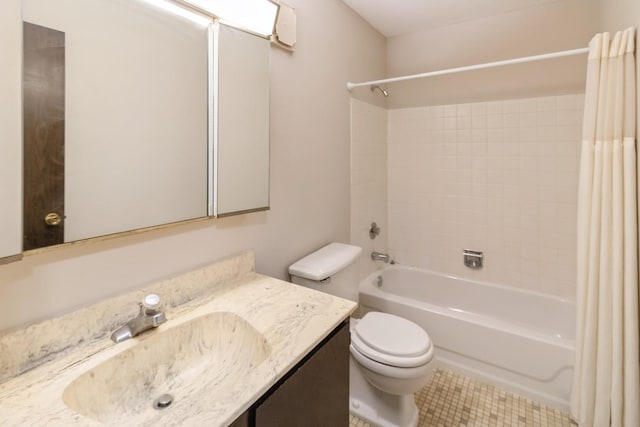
(163, 401)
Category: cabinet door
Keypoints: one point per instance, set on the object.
(242, 421)
(317, 393)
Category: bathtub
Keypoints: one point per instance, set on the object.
(517, 340)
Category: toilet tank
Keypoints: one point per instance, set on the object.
(328, 270)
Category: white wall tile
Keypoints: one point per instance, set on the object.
(511, 120)
(528, 119)
(494, 107)
(436, 111)
(449, 111)
(546, 118)
(479, 108)
(495, 121)
(479, 122)
(500, 176)
(463, 110)
(449, 123)
(568, 117)
(547, 103)
(464, 122)
(511, 106)
(567, 102)
(370, 135)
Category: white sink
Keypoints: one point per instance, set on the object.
(195, 362)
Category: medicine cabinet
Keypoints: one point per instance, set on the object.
(149, 118)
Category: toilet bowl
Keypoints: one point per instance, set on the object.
(391, 357)
(394, 357)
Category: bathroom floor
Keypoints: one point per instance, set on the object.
(451, 399)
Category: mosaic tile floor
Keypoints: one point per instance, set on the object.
(451, 399)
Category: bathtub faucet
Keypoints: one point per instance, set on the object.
(378, 256)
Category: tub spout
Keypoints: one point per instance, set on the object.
(378, 256)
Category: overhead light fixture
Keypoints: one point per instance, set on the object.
(256, 16)
(180, 11)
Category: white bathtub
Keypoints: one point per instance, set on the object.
(517, 340)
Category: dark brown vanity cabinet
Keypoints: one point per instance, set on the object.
(315, 393)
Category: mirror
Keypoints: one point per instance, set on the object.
(241, 134)
(10, 132)
(133, 118)
(159, 119)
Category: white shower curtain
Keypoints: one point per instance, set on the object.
(606, 373)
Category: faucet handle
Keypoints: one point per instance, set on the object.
(151, 302)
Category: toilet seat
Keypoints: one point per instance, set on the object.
(391, 340)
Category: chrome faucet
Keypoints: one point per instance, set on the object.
(378, 256)
(148, 317)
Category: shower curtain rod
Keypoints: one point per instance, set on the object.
(560, 54)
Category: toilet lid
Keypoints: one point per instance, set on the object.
(392, 340)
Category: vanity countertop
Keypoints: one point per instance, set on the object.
(40, 361)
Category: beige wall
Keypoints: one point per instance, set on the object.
(616, 15)
(552, 27)
(309, 183)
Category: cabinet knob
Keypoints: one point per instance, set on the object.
(53, 219)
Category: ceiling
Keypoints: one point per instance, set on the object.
(398, 17)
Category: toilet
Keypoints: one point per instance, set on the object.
(391, 357)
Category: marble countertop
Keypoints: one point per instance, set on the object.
(39, 362)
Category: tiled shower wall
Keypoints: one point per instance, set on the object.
(368, 180)
(500, 177)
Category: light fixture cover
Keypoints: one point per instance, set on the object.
(257, 16)
(180, 11)
(286, 26)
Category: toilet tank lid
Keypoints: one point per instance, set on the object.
(325, 262)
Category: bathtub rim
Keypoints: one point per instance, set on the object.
(399, 266)
(367, 287)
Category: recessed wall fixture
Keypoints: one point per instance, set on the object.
(472, 259)
(256, 16)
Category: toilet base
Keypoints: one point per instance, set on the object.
(376, 407)
(378, 419)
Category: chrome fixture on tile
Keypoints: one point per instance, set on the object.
(378, 256)
(374, 230)
(148, 317)
(472, 259)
